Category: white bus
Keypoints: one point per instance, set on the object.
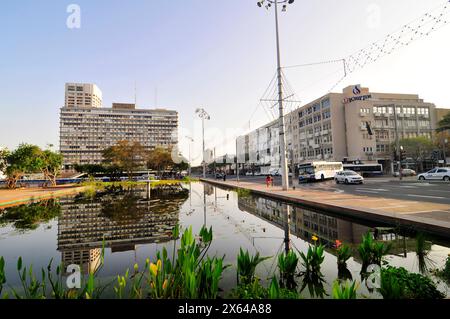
(365, 169)
(318, 171)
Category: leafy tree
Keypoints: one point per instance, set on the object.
(418, 148)
(160, 159)
(25, 159)
(50, 166)
(3, 157)
(128, 156)
(444, 124)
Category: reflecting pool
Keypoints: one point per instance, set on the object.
(133, 224)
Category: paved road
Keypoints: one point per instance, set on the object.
(385, 187)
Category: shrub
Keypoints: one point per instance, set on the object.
(371, 252)
(344, 291)
(398, 283)
(246, 266)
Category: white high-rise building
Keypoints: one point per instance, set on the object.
(87, 128)
(83, 95)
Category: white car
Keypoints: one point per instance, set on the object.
(348, 177)
(442, 174)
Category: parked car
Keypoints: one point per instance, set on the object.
(219, 175)
(436, 174)
(348, 177)
(406, 172)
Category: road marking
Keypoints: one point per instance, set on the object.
(373, 189)
(408, 187)
(366, 191)
(424, 196)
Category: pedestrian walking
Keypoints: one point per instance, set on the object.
(225, 177)
(268, 181)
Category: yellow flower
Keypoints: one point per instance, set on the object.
(315, 238)
(136, 267)
(153, 269)
(159, 264)
(164, 284)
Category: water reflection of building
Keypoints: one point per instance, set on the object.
(87, 259)
(120, 221)
(304, 223)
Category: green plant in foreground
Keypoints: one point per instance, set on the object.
(246, 266)
(398, 283)
(371, 251)
(422, 252)
(312, 275)
(345, 291)
(445, 273)
(287, 265)
(255, 290)
(313, 259)
(344, 252)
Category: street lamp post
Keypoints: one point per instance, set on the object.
(283, 159)
(191, 140)
(204, 116)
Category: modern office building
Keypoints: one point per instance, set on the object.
(337, 127)
(87, 129)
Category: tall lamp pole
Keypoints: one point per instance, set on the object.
(204, 116)
(283, 150)
(191, 140)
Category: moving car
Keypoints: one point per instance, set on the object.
(348, 177)
(406, 172)
(219, 175)
(442, 174)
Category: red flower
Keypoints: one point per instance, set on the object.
(338, 243)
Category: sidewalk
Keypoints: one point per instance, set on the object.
(429, 217)
(19, 196)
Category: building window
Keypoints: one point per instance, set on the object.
(325, 103)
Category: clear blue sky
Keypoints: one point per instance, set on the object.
(199, 53)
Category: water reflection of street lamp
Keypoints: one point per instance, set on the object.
(204, 116)
(191, 140)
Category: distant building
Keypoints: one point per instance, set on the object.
(335, 128)
(85, 131)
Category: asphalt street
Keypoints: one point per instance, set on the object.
(386, 187)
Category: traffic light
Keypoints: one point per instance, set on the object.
(402, 153)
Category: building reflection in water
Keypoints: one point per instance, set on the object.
(120, 220)
(305, 223)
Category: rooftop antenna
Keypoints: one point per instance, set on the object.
(135, 94)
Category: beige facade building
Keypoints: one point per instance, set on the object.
(85, 131)
(335, 126)
(83, 95)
